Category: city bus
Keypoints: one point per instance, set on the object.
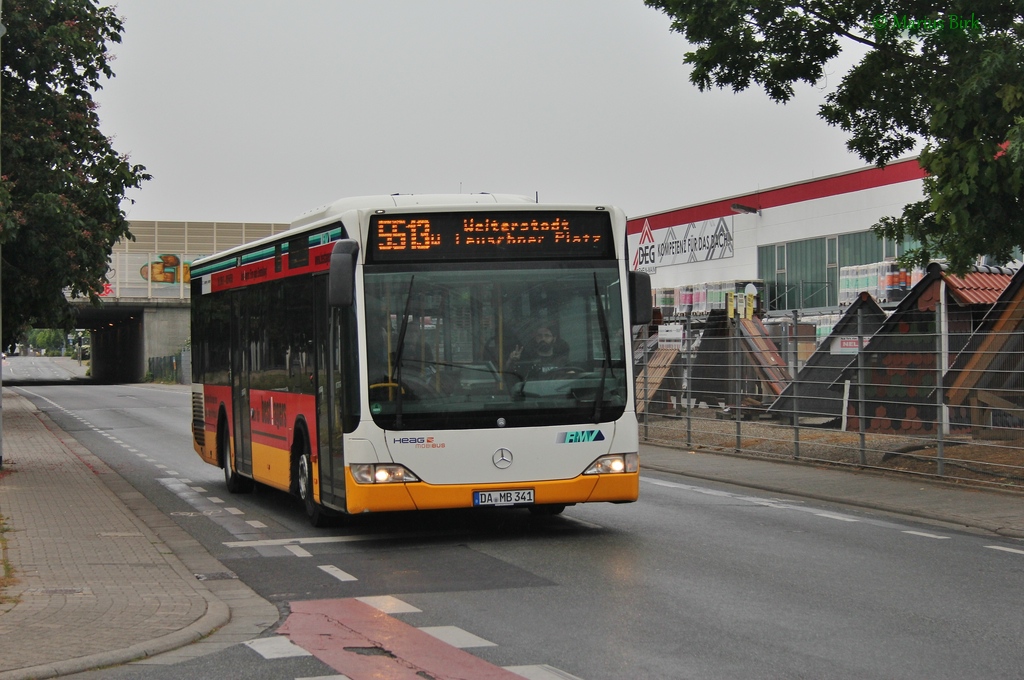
(376, 356)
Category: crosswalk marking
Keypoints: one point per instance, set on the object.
(457, 637)
(389, 604)
(337, 573)
(276, 647)
(298, 551)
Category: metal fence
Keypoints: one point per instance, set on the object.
(176, 368)
(934, 391)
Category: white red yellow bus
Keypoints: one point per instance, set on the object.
(376, 356)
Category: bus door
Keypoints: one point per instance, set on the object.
(330, 437)
(241, 365)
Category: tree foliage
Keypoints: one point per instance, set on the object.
(954, 82)
(63, 183)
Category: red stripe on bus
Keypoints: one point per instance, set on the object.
(361, 641)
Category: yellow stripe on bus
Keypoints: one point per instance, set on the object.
(421, 496)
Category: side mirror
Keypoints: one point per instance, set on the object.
(640, 308)
(341, 281)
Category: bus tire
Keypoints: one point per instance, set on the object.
(235, 482)
(316, 513)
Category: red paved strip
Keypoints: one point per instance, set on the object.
(363, 642)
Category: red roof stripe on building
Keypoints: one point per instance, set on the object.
(858, 180)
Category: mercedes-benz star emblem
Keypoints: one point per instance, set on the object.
(502, 458)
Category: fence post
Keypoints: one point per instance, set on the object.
(940, 359)
(688, 374)
(737, 372)
(795, 370)
(647, 400)
(861, 383)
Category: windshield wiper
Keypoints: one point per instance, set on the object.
(398, 353)
(606, 346)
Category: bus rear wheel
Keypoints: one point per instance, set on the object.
(316, 513)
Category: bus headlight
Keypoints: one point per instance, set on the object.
(368, 473)
(614, 463)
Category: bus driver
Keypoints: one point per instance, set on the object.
(545, 352)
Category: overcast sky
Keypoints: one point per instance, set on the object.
(259, 110)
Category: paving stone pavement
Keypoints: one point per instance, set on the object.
(103, 577)
(95, 584)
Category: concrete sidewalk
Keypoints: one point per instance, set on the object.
(103, 577)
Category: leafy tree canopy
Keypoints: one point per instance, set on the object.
(63, 183)
(952, 81)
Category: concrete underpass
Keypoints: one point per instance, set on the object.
(125, 334)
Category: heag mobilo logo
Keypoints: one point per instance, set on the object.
(419, 442)
(579, 437)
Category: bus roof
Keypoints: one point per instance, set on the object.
(400, 201)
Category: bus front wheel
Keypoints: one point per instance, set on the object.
(235, 482)
(316, 513)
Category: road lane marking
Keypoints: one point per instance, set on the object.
(337, 573)
(540, 672)
(256, 524)
(389, 604)
(312, 540)
(235, 511)
(774, 503)
(276, 647)
(832, 515)
(352, 647)
(1005, 549)
(925, 534)
(457, 637)
(298, 551)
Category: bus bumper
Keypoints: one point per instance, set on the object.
(620, 488)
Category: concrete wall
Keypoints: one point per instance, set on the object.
(167, 329)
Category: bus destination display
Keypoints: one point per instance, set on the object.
(490, 235)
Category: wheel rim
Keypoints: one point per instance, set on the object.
(304, 478)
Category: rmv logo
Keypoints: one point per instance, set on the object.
(579, 437)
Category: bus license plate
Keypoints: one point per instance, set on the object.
(514, 497)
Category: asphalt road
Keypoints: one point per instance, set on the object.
(695, 580)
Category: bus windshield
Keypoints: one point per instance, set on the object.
(501, 345)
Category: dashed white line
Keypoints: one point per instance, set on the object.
(214, 499)
(298, 551)
(1005, 549)
(925, 534)
(235, 511)
(276, 647)
(389, 604)
(457, 637)
(256, 524)
(336, 573)
(832, 515)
